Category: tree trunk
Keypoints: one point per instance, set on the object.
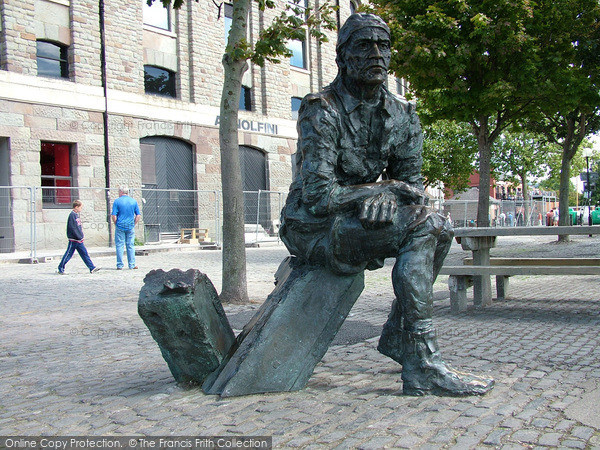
(234, 287)
(526, 209)
(576, 130)
(563, 195)
(485, 156)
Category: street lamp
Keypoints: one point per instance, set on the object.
(587, 152)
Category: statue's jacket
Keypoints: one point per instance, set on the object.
(344, 142)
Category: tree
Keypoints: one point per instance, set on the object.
(570, 108)
(553, 180)
(519, 156)
(271, 45)
(449, 153)
(468, 62)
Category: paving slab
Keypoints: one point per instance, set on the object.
(586, 410)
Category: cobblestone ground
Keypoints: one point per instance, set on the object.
(76, 359)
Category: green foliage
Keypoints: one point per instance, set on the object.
(497, 63)
(520, 155)
(166, 3)
(449, 154)
(552, 182)
(467, 61)
(464, 60)
(570, 40)
(555, 161)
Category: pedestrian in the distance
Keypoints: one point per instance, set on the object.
(502, 219)
(549, 218)
(125, 215)
(75, 236)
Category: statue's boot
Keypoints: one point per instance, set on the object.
(424, 372)
(391, 342)
(409, 337)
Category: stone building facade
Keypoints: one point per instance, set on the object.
(69, 135)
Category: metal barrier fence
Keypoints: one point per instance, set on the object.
(33, 218)
(262, 211)
(504, 213)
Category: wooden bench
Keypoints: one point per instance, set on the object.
(193, 235)
(477, 271)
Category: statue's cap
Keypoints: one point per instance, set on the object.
(357, 22)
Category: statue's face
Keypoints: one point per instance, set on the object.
(366, 56)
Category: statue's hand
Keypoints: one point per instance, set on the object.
(407, 194)
(378, 209)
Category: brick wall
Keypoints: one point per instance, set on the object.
(20, 46)
(85, 32)
(125, 68)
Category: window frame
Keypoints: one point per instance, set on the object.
(171, 82)
(62, 59)
(154, 25)
(299, 8)
(245, 98)
(52, 194)
(303, 54)
(227, 19)
(401, 87)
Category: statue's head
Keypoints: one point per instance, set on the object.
(363, 49)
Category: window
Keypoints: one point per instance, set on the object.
(298, 8)
(159, 81)
(298, 49)
(228, 17)
(52, 60)
(295, 107)
(401, 87)
(55, 161)
(157, 15)
(246, 99)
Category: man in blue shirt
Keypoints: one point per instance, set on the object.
(125, 215)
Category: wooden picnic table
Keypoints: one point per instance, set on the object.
(480, 240)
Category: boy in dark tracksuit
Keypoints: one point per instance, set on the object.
(75, 235)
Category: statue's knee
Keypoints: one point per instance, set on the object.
(447, 232)
(438, 226)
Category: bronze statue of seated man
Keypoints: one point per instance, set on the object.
(358, 198)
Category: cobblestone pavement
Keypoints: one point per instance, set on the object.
(76, 359)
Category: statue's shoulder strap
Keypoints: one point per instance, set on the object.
(324, 98)
(323, 101)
